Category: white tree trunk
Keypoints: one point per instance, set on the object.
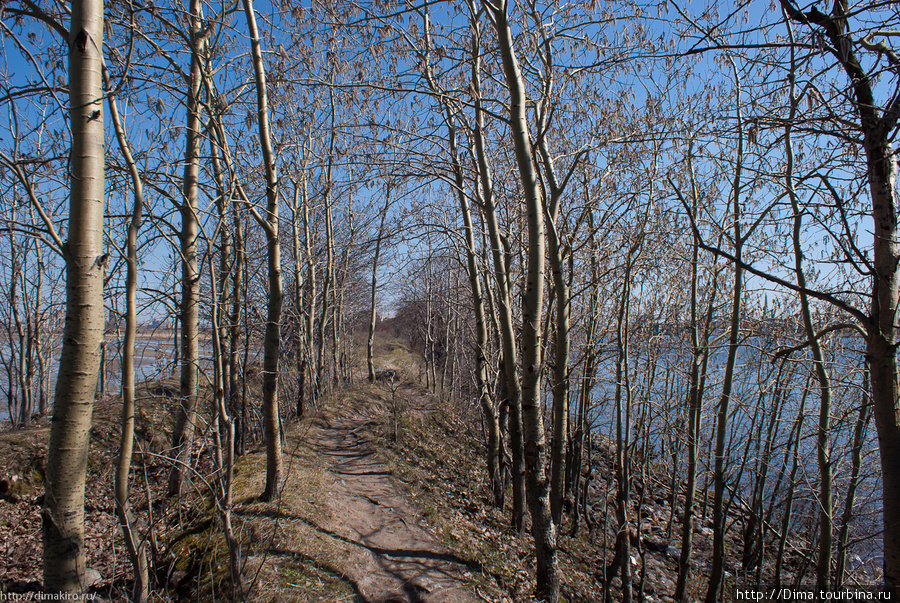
(63, 513)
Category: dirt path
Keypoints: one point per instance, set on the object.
(396, 559)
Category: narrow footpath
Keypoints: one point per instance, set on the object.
(397, 559)
(343, 529)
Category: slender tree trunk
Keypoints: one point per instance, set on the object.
(697, 387)
(718, 568)
(176, 322)
(794, 438)
(481, 328)
(39, 327)
(302, 334)
(134, 544)
(823, 445)
(580, 436)
(234, 381)
(754, 527)
(428, 343)
(491, 419)
(245, 386)
(225, 468)
(534, 444)
(226, 262)
(623, 431)
(18, 350)
(310, 309)
(576, 450)
(28, 373)
(718, 562)
(328, 273)
(370, 341)
(503, 306)
(12, 379)
(338, 355)
(63, 512)
(448, 347)
(183, 435)
(878, 127)
(234, 320)
(271, 423)
(859, 431)
(694, 414)
(561, 338)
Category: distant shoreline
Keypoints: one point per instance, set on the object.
(157, 333)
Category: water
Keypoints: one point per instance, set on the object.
(154, 357)
(750, 409)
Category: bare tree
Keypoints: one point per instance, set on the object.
(534, 443)
(877, 124)
(63, 512)
(183, 434)
(510, 390)
(134, 544)
(276, 287)
(379, 238)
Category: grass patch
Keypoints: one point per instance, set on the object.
(287, 556)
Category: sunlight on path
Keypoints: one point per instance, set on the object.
(397, 560)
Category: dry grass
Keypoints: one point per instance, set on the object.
(289, 551)
(288, 557)
(436, 458)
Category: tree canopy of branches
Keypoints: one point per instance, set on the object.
(641, 230)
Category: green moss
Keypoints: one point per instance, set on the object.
(248, 472)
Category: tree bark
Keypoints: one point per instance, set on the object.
(534, 444)
(63, 512)
(271, 423)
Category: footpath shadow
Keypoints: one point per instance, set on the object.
(396, 559)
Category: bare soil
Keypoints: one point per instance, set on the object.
(344, 522)
(397, 558)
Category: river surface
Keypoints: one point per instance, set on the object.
(153, 357)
